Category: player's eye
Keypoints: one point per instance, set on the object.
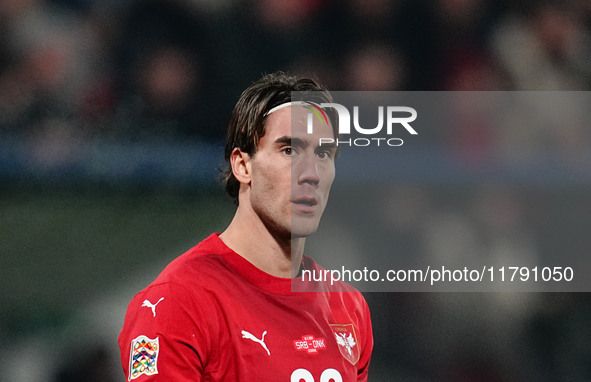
(289, 151)
(324, 154)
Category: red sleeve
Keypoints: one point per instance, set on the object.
(365, 358)
(165, 336)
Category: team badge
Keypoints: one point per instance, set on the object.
(144, 357)
(310, 344)
(347, 341)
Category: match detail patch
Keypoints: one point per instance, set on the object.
(309, 344)
(144, 357)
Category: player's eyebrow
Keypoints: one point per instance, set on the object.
(290, 141)
(327, 146)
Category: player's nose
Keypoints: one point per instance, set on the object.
(308, 171)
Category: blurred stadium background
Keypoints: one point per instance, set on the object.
(112, 115)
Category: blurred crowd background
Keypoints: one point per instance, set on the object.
(112, 118)
(74, 70)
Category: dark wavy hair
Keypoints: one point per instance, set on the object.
(247, 124)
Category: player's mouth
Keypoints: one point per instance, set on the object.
(305, 204)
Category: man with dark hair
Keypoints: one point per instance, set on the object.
(225, 310)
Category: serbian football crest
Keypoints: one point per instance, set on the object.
(144, 357)
(347, 341)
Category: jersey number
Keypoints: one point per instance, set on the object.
(327, 375)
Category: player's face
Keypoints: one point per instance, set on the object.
(292, 173)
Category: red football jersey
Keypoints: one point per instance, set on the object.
(213, 316)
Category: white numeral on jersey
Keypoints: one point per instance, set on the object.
(300, 374)
(328, 375)
(331, 375)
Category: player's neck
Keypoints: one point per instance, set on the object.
(273, 254)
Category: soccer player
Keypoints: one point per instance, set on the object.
(225, 310)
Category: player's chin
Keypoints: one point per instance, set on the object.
(301, 229)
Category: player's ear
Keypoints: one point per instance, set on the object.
(241, 166)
